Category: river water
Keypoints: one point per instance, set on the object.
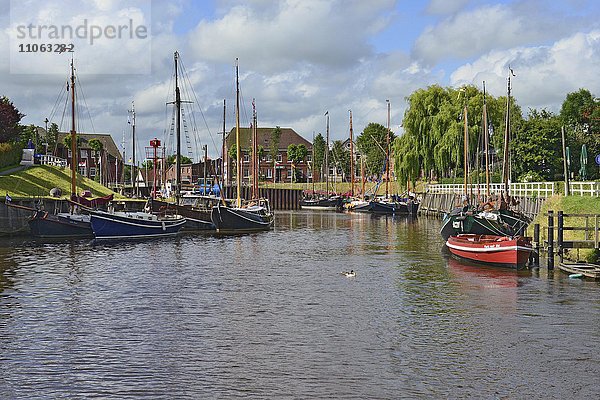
(269, 315)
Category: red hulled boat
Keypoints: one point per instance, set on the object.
(491, 249)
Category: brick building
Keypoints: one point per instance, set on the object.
(283, 167)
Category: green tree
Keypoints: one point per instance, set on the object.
(52, 137)
(536, 145)
(9, 121)
(341, 157)
(434, 129)
(372, 146)
(296, 154)
(319, 155)
(67, 141)
(580, 113)
(28, 133)
(98, 152)
(182, 160)
(232, 153)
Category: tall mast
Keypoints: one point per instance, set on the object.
(255, 160)
(362, 177)
(506, 161)
(73, 135)
(312, 165)
(327, 156)
(387, 153)
(466, 149)
(351, 157)
(133, 176)
(486, 145)
(223, 148)
(178, 132)
(237, 135)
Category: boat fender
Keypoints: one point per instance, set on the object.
(163, 226)
(575, 276)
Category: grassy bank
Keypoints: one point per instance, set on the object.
(37, 181)
(570, 205)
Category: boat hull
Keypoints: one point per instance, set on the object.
(332, 203)
(133, 226)
(395, 207)
(197, 219)
(234, 220)
(491, 249)
(45, 225)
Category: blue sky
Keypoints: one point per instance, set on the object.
(300, 58)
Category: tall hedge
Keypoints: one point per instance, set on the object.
(10, 154)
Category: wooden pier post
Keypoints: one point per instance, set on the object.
(535, 255)
(550, 239)
(560, 239)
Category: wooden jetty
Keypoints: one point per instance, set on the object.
(591, 271)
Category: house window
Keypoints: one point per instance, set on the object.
(269, 173)
(246, 157)
(289, 173)
(83, 153)
(92, 172)
(246, 173)
(279, 157)
(309, 157)
(82, 171)
(69, 153)
(269, 158)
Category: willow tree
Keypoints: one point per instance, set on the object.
(434, 128)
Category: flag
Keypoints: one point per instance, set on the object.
(327, 112)
(128, 120)
(8, 198)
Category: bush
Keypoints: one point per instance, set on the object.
(10, 154)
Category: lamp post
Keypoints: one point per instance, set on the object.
(46, 122)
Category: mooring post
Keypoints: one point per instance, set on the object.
(560, 235)
(550, 239)
(536, 245)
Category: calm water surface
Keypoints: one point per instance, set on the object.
(269, 315)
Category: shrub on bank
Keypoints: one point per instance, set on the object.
(10, 154)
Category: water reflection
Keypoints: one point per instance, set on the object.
(269, 315)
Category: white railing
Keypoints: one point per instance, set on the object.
(537, 189)
(53, 160)
(585, 188)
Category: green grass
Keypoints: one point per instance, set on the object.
(569, 205)
(38, 180)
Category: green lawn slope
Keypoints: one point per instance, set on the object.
(37, 181)
(570, 205)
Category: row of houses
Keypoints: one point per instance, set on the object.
(108, 165)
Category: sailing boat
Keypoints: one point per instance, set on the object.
(196, 209)
(319, 200)
(486, 218)
(392, 204)
(254, 215)
(357, 204)
(65, 225)
(137, 225)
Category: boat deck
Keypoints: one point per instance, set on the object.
(588, 270)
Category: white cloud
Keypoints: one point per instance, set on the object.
(478, 31)
(545, 74)
(329, 33)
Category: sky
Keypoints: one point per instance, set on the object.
(299, 59)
